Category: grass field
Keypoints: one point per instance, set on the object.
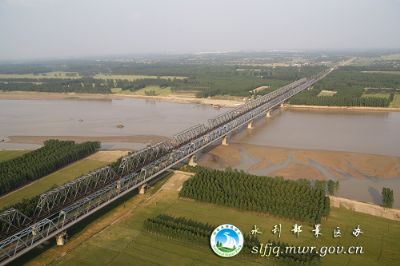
(59, 177)
(376, 95)
(135, 77)
(396, 101)
(126, 243)
(7, 155)
(48, 75)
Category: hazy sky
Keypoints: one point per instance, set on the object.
(73, 28)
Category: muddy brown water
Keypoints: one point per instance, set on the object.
(77, 117)
(362, 132)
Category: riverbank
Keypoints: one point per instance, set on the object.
(342, 108)
(361, 176)
(177, 98)
(130, 139)
(368, 208)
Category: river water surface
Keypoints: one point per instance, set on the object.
(361, 132)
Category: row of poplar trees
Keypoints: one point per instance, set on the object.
(200, 233)
(296, 199)
(187, 229)
(53, 155)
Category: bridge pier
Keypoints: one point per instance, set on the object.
(192, 161)
(142, 189)
(225, 141)
(268, 114)
(60, 238)
(250, 125)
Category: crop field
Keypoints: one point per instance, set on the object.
(59, 177)
(126, 242)
(135, 77)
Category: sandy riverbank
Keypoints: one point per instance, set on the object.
(345, 108)
(301, 163)
(177, 98)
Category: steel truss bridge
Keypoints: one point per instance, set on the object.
(64, 206)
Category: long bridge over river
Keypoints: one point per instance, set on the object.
(64, 206)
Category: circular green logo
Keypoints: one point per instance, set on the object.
(226, 240)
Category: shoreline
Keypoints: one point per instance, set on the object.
(343, 108)
(36, 95)
(176, 98)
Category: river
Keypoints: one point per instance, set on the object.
(360, 149)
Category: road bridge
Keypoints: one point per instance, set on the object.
(64, 206)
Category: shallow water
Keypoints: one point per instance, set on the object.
(364, 132)
(98, 118)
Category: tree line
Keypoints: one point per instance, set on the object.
(296, 199)
(197, 232)
(38, 163)
(341, 101)
(88, 85)
(187, 229)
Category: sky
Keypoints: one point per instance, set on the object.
(33, 29)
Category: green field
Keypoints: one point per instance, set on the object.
(7, 155)
(135, 77)
(59, 177)
(126, 243)
(396, 101)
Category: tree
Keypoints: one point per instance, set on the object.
(387, 197)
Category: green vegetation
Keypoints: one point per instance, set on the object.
(127, 240)
(350, 84)
(387, 197)
(206, 79)
(332, 187)
(382, 95)
(7, 155)
(135, 77)
(187, 229)
(285, 198)
(199, 233)
(38, 163)
(396, 100)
